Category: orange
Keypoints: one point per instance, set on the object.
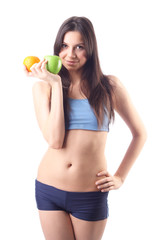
(29, 61)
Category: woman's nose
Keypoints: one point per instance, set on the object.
(71, 53)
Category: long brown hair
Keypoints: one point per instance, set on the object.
(95, 85)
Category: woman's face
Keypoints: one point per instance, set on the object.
(73, 53)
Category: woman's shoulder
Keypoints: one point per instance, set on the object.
(114, 81)
(120, 92)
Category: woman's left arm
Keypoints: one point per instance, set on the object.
(124, 107)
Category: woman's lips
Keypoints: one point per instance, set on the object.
(71, 62)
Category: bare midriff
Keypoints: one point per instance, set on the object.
(75, 166)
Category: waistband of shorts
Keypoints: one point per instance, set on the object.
(71, 192)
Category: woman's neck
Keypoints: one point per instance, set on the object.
(75, 77)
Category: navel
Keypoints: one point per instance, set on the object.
(69, 165)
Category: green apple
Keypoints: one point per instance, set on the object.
(54, 63)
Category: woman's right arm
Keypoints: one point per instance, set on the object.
(48, 104)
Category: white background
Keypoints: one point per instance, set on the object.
(128, 42)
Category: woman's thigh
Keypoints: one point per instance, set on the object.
(88, 230)
(56, 225)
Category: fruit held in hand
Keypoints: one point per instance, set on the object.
(29, 61)
(54, 63)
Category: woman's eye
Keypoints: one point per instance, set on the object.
(64, 45)
(80, 47)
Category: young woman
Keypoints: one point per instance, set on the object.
(74, 110)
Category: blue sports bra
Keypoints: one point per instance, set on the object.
(82, 116)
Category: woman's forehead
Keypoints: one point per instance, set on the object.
(73, 37)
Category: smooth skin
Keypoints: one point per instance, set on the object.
(58, 225)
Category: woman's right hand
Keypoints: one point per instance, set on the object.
(39, 70)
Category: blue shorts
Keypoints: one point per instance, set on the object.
(89, 206)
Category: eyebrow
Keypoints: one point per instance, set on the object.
(82, 43)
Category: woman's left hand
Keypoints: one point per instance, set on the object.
(109, 182)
